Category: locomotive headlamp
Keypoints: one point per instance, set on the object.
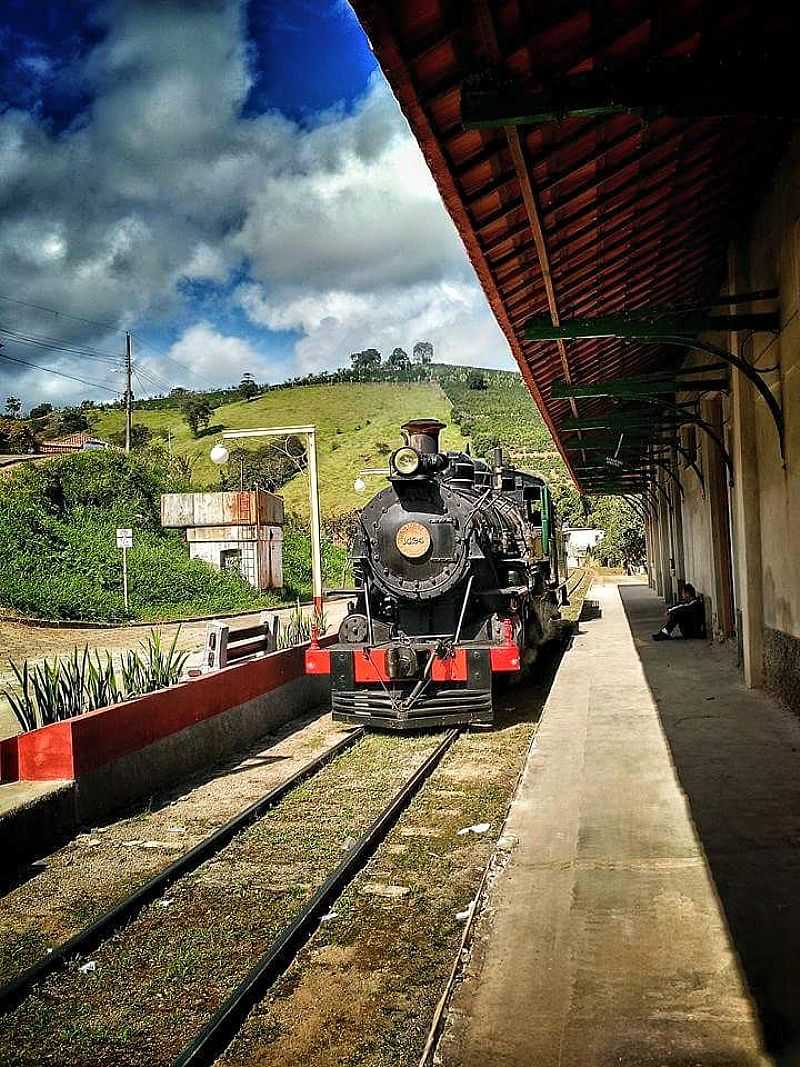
(406, 460)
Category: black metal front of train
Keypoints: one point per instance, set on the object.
(456, 566)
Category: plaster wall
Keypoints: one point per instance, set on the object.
(773, 259)
(697, 557)
(765, 497)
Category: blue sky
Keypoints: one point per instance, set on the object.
(231, 181)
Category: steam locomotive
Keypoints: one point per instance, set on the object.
(456, 566)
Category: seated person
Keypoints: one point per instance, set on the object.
(689, 616)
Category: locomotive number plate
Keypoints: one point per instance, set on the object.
(413, 539)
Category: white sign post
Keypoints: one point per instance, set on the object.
(124, 541)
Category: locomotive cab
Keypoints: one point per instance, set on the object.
(454, 568)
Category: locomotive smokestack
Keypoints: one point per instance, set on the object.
(423, 434)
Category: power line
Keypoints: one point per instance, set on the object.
(175, 362)
(60, 373)
(54, 346)
(143, 382)
(62, 314)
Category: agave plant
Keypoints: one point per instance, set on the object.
(133, 675)
(297, 628)
(161, 665)
(69, 674)
(101, 687)
(22, 702)
(59, 689)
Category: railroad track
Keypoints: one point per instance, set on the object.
(213, 1037)
(86, 940)
(576, 585)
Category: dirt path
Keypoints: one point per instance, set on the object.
(19, 641)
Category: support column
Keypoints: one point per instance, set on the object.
(680, 561)
(719, 525)
(666, 541)
(655, 545)
(747, 566)
(648, 541)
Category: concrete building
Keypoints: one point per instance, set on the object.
(236, 531)
(580, 542)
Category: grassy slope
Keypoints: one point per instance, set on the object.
(367, 414)
(507, 411)
(370, 414)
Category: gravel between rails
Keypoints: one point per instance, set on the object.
(59, 895)
(152, 985)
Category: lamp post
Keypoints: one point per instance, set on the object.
(220, 456)
(360, 484)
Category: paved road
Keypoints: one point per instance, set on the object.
(19, 641)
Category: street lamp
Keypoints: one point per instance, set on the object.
(220, 455)
(360, 486)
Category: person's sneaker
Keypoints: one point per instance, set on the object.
(662, 635)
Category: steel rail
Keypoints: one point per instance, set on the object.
(226, 1021)
(87, 939)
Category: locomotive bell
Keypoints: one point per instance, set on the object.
(423, 434)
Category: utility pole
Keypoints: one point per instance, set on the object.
(128, 389)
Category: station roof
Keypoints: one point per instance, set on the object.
(596, 157)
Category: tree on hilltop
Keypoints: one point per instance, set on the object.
(247, 386)
(423, 352)
(367, 361)
(399, 360)
(13, 406)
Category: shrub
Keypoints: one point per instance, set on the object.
(57, 528)
(297, 560)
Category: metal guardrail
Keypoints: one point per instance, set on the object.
(226, 644)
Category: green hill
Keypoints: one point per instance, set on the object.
(358, 424)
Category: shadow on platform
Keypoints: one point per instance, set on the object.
(737, 756)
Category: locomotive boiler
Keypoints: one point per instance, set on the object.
(456, 567)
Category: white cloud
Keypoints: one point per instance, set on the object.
(215, 357)
(452, 315)
(163, 180)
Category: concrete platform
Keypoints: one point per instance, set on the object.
(649, 913)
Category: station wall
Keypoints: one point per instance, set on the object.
(757, 518)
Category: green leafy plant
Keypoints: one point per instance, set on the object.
(296, 630)
(162, 665)
(71, 685)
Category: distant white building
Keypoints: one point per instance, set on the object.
(73, 442)
(580, 542)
